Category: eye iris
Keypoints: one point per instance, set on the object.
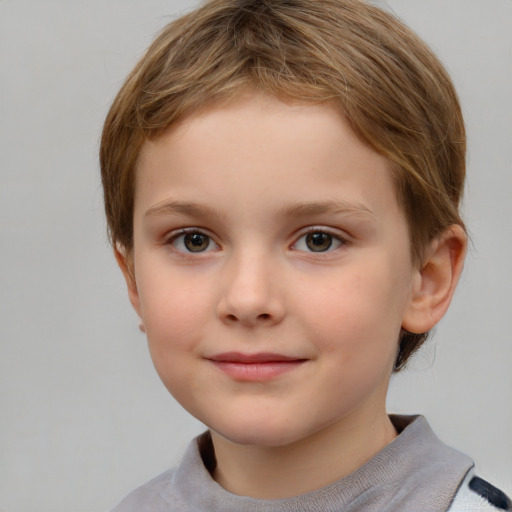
(196, 242)
(318, 242)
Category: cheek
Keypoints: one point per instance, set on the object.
(175, 320)
(175, 310)
(358, 315)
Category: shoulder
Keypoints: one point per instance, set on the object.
(478, 495)
(150, 497)
(175, 489)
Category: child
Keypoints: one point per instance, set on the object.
(282, 181)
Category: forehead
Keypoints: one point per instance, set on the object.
(260, 146)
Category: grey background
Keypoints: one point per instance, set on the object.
(83, 416)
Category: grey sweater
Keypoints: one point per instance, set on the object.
(414, 473)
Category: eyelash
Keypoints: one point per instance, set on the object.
(335, 239)
(182, 233)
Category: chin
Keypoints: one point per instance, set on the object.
(258, 433)
(261, 439)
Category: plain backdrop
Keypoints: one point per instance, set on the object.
(83, 416)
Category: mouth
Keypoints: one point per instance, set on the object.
(255, 367)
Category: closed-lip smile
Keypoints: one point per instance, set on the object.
(255, 367)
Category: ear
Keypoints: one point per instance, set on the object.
(435, 281)
(124, 259)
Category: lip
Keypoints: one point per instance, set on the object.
(255, 367)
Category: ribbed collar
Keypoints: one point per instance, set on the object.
(415, 472)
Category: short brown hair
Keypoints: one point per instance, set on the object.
(392, 90)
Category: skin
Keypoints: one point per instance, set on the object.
(250, 179)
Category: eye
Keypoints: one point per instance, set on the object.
(192, 241)
(318, 241)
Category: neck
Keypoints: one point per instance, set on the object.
(312, 463)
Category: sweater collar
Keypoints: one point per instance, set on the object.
(416, 471)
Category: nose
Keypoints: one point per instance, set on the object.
(250, 293)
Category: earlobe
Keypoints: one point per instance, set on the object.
(124, 259)
(435, 282)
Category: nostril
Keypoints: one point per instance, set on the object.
(264, 316)
(232, 318)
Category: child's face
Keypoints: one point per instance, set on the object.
(272, 267)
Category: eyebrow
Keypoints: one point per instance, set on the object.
(331, 207)
(294, 210)
(183, 207)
